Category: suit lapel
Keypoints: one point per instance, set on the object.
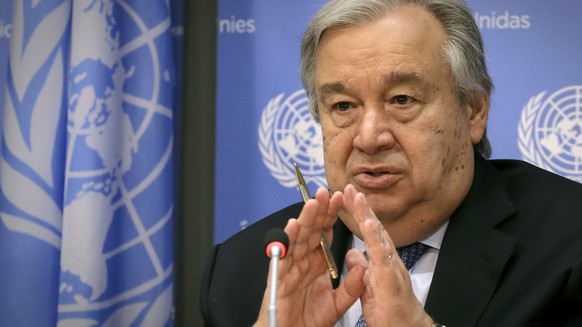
(473, 253)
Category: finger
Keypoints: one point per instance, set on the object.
(323, 199)
(350, 290)
(355, 257)
(379, 245)
(370, 227)
(292, 230)
(299, 240)
(317, 215)
(306, 221)
(309, 224)
(359, 213)
(359, 205)
(349, 193)
(335, 205)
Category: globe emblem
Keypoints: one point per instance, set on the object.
(288, 134)
(88, 181)
(554, 139)
(110, 127)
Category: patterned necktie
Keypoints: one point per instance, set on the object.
(409, 255)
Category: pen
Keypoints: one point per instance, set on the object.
(323, 241)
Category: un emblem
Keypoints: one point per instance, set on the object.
(550, 132)
(92, 183)
(288, 134)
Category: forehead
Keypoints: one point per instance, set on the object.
(408, 40)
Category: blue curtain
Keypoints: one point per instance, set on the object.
(86, 164)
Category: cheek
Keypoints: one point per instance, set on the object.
(437, 140)
(337, 145)
(332, 147)
(453, 145)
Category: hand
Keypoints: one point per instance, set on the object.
(388, 299)
(305, 296)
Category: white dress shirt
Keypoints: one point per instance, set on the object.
(420, 274)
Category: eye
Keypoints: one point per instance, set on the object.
(402, 99)
(342, 106)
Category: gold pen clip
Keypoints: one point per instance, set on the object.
(323, 241)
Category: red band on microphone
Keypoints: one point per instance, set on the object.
(280, 245)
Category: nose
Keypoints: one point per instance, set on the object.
(373, 131)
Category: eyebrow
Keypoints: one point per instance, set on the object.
(330, 88)
(393, 78)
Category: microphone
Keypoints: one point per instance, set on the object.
(276, 243)
(276, 237)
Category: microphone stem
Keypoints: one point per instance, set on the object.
(272, 309)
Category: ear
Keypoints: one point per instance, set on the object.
(478, 112)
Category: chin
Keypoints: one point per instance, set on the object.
(384, 212)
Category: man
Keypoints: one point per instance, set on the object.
(402, 93)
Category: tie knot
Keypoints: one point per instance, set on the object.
(411, 253)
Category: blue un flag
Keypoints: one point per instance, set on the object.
(86, 165)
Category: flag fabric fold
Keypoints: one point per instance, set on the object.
(86, 165)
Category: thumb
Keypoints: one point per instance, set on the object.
(353, 286)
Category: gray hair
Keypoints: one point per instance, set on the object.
(463, 49)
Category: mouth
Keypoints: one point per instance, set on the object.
(376, 173)
(376, 177)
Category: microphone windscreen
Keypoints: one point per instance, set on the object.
(274, 236)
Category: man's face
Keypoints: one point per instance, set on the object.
(391, 123)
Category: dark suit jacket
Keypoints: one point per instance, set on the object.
(511, 256)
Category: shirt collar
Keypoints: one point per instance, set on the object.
(434, 240)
